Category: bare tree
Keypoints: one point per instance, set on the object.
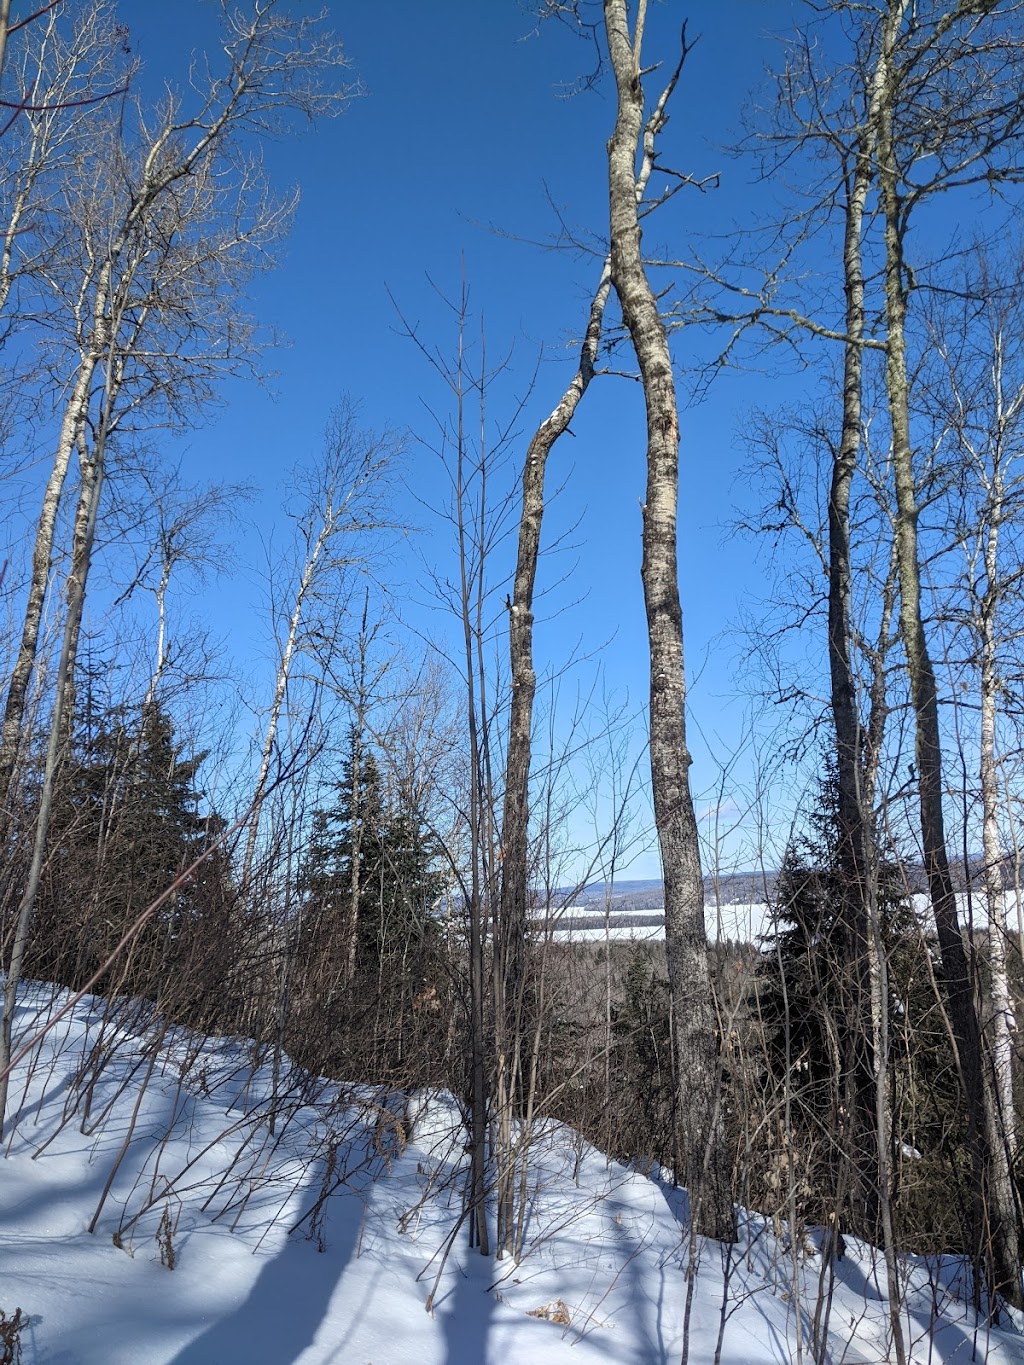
(973, 394)
(830, 113)
(7, 28)
(472, 448)
(62, 71)
(510, 939)
(340, 500)
(705, 1166)
(171, 225)
(511, 927)
(186, 534)
(975, 138)
(925, 105)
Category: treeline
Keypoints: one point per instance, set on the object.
(366, 975)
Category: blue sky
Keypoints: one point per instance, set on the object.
(467, 131)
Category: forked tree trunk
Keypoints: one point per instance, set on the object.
(516, 806)
(510, 938)
(705, 1167)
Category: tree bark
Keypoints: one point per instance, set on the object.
(284, 669)
(5, 28)
(704, 1161)
(859, 868)
(515, 813)
(995, 896)
(16, 703)
(509, 945)
(85, 529)
(1000, 996)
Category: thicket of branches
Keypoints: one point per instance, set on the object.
(373, 890)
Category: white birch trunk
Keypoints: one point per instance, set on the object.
(1002, 1023)
(284, 669)
(704, 1159)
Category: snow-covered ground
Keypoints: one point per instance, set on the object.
(324, 1239)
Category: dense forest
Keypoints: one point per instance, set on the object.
(366, 849)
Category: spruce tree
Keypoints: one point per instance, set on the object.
(802, 1000)
(368, 940)
(126, 824)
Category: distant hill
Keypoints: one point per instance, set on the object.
(734, 888)
(750, 888)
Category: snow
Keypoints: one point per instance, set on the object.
(742, 923)
(323, 1241)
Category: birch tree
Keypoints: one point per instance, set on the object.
(933, 90)
(515, 824)
(825, 113)
(174, 219)
(173, 222)
(510, 943)
(186, 524)
(966, 118)
(973, 396)
(704, 1159)
(810, 112)
(339, 501)
(933, 95)
(52, 87)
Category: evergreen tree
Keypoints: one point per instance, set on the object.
(126, 824)
(803, 977)
(368, 942)
(803, 1003)
(343, 859)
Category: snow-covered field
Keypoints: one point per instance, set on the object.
(589, 924)
(740, 923)
(323, 1239)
